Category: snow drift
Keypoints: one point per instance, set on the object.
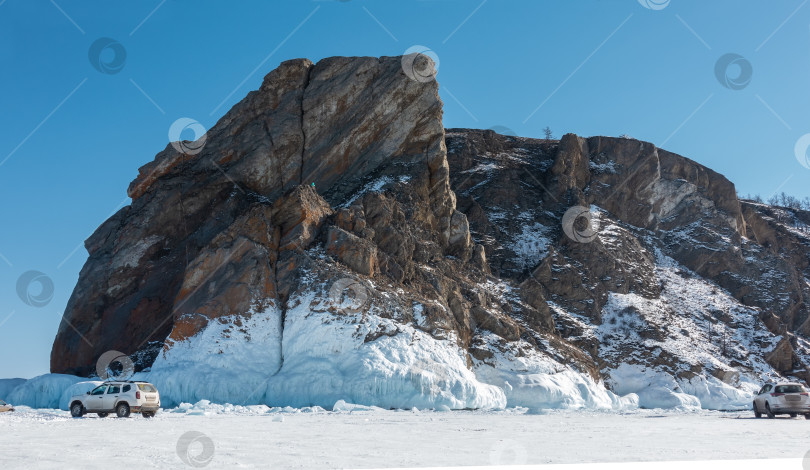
(49, 391)
(319, 363)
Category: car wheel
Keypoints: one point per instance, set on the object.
(76, 410)
(807, 416)
(103, 415)
(122, 410)
(793, 415)
(756, 411)
(769, 412)
(148, 414)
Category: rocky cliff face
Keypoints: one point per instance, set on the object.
(675, 279)
(205, 230)
(313, 250)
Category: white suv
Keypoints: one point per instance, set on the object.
(121, 398)
(782, 398)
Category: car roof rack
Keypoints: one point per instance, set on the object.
(126, 381)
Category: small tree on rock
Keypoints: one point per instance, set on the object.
(547, 133)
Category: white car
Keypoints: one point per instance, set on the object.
(121, 398)
(782, 398)
(5, 407)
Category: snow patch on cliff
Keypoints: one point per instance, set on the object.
(373, 186)
(530, 245)
(227, 362)
(664, 340)
(329, 355)
(533, 380)
(370, 360)
(323, 358)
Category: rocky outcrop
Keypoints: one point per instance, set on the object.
(299, 216)
(234, 274)
(330, 226)
(647, 205)
(357, 253)
(202, 236)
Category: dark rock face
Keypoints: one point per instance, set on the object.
(343, 168)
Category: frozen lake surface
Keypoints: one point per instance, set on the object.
(361, 437)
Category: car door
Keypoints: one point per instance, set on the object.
(761, 397)
(95, 401)
(111, 397)
(758, 398)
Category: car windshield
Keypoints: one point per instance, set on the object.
(789, 389)
(99, 390)
(146, 388)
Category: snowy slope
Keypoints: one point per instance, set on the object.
(533, 380)
(679, 350)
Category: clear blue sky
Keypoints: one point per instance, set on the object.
(72, 138)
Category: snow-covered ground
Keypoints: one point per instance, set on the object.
(361, 437)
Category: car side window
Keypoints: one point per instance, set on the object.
(767, 388)
(127, 388)
(100, 390)
(114, 389)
